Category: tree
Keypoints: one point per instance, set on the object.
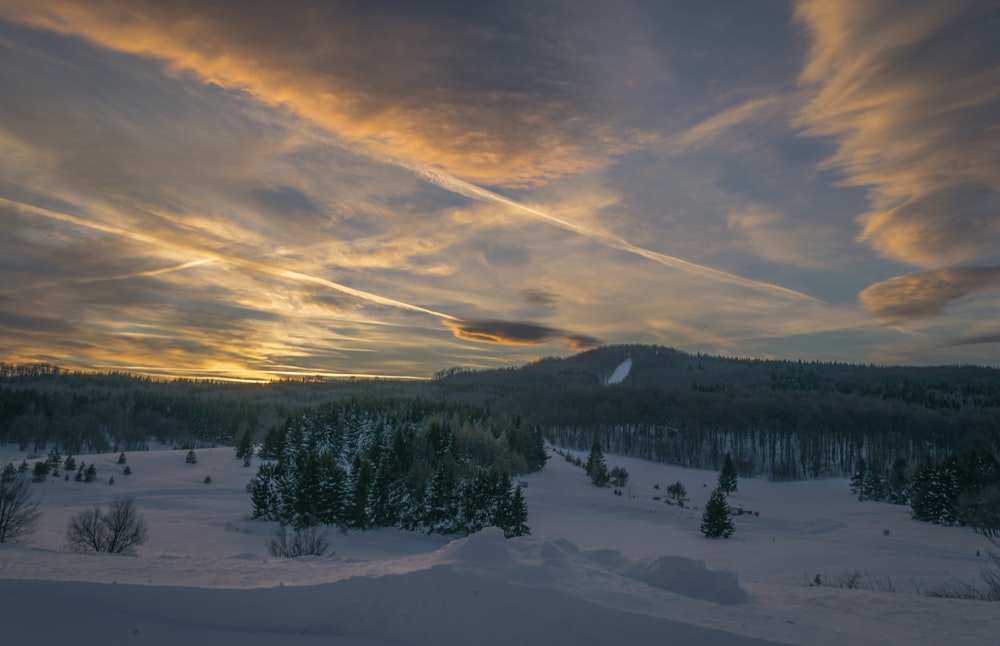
(40, 471)
(69, 464)
(677, 492)
(727, 477)
(619, 476)
(858, 479)
(118, 531)
(191, 457)
(121, 458)
(716, 522)
(19, 510)
(90, 473)
(597, 468)
(244, 448)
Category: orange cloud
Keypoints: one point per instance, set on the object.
(909, 93)
(430, 90)
(927, 294)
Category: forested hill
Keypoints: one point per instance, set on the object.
(790, 418)
(671, 405)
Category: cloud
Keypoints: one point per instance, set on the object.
(909, 94)
(538, 296)
(518, 333)
(493, 93)
(978, 339)
(783, 240)
(711, 130)
(927, 294)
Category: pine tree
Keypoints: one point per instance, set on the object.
(244, 448)
(874, 485)
(898, 486)
(716, 521)
(596, 467)
(727, 476)
(191, 457)
(121, 458)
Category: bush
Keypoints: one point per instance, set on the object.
(989, 575)
(303, 541)
(118, 531)
(18, 507)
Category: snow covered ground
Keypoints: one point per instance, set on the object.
(598, 569)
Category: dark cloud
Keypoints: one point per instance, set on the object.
(927, 294)
(284, 202)
(978, 339)
(517, 333)
(538, 296)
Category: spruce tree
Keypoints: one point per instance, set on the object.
(597, 468)
(727, 476)
(716, 521)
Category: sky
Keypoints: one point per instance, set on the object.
(260, 190)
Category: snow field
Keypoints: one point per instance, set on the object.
(597, 569)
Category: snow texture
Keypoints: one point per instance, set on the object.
(620, 372)
(598, 569)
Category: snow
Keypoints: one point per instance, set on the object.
(598, 568)
(620, 372)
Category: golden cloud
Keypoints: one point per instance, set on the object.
(909, 92)
(927, 294)
(427, 90)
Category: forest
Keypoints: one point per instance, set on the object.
(783, 419)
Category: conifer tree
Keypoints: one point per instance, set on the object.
(727, 476)
(716, 521)
(596, 467)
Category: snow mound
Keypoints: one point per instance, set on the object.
(689, 578)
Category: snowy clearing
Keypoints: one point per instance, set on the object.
(598, 568)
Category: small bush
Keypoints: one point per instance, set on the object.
(118, 531)
(302, 541)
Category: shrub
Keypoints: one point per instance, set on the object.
(118, 531)
(303, 541)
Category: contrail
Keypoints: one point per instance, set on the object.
(212, 255)
(467, 189)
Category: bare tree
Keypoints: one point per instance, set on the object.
(19, 510)
(118, 531)
(304, 541)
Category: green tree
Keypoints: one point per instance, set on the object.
(716, 522)
(596, 467)
(727, 477)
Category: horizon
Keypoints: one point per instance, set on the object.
(264, 192)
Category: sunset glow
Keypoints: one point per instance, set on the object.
(255, 191)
